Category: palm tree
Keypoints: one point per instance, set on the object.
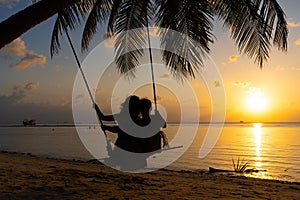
(22, 21)
(255, 26)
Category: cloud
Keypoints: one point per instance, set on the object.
(15, 107)
(6, 57)
(80, 99)
(109, 41)
(65, 102)
(242, 84)
(98, 90)
(233, 58)
(217, 84)
(58, 68)
(17, 95)
(295, 68)
(280, 68)
(293, 24)
(31, 86)
(166, 77)
(297, 42)
(16, 47)
(160, 98)
(154, 31)
(19, 92)
(43, 113)
(283, 68)
(8, 3)
(254, 90)
(110, 38)
(30, 60)
(80, 96)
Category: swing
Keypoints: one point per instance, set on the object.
(153, 139)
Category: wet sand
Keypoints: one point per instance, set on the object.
(28, 177)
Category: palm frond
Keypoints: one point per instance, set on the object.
(128, 50)
(115, 9)
(133, 14)
(281, 30)
(68, 18)
(98, 15)
(252, 24)
(255, 25)
(130, 20)
(192, 20)
(55, 43)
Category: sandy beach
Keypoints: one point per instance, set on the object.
(25, 176)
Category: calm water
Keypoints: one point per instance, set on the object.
(274, 147)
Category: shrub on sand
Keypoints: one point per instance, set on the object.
(240, 166)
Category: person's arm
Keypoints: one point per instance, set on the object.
(102, 116)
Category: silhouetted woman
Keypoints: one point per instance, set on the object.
(128, 116)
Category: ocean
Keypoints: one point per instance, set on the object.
(273, 148)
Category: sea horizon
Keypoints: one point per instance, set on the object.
(171, 123)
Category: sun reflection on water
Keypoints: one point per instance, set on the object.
(257, 134)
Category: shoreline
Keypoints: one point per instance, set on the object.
(24, 176)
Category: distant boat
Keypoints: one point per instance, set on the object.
(31, 122)
(241, 121)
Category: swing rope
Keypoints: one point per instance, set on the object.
(79, 66)
(152, 69)
(162, 134)
(85, 81)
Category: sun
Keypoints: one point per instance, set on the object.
(256, 101)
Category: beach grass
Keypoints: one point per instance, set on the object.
(240, 166)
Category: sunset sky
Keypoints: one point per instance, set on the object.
(35, 86)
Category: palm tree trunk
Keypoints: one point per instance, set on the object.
(19, 23)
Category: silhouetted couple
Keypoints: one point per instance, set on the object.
(137, 131)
